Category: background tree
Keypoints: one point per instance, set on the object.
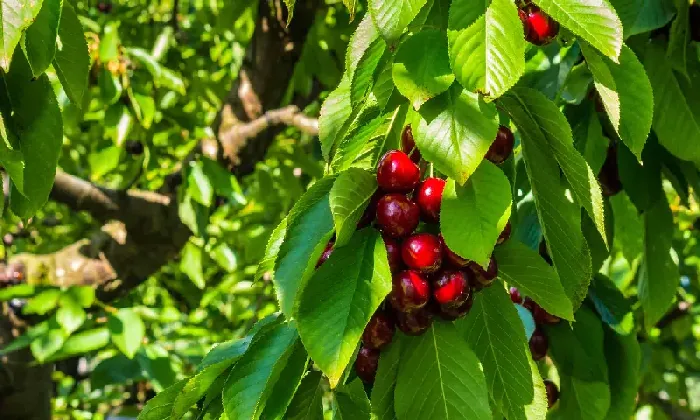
(168, 186)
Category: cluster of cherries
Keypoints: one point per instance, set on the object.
(428, 279)
(540, 28)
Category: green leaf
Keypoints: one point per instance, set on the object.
(658, 273)
(40, 38)
(487, 48)
(70, 315)
(679, 37)
(290, 9)
(335, 111)
(440, 377)
(127, 331)
(589, 138)
(85, 342)
(109, 42)
(253, 376)
(351, 402)
(72, 60)
(393, 16)
(160, 407)
(15, 17)
(191, 264)
(612, 306)
(283, 390)
(349, 196)
(267, 264)
(626, 93)
(485, 200)
(105, 161)
(199, 186)
(629, 226)
(307, 403)
(385, 382)
(523, 268)
(593, 20)
(42, 303)
(110, 88)
(309, 227)
(624, 368)
(47, 344)
(359, 272)
(421, 68)
(225, 257)
(640, 16)
(363, 74)
(540, 124)
(196, 387)
(351, 4)
(455, 131)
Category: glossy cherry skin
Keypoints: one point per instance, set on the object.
(609, 175)
(366, 364)
(552, 393)
(538, 345)
(451, 313)
(409, 291)
(505, 234)
(543, 317)
(539, 28)
(451, 288)
(428, 196)
(408, 144)
(396, 172)
(485, 278)
(414, 322)
(326, 254)
(397, 215)
(451, 257)
(422, 252)
(379, 331)
(393, 253)
(502, 146)
(515, 296)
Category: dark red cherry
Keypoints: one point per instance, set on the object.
(539, 28)
(326, 254)
(505, 234)
(515, 296)
(366, 364)
(428, 196)
(379, 331)
(502, 146)
(409, 291)
(544, 253)
(408, 144)
(451, 288)
(485, 278)
(451, 313)
(451, 257)
(414, 322)
(393, 253)
(396, 172)
(397, 215)
(609, 175)
(529, 304)
(422, 252)
(538, 345)
(552, 393)
(543, 317)
(694, 17)
(370, 212)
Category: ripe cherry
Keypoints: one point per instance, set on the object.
(370, 212)
(408, 144)
(397, 215)
(540, 28)
(429, 196)
(414, 322)
(529, 304)
(502, 146)
(422, 252)
(451, 257)
(538, 345)
(552, 392)
(393, 253)
(694, 17)
(505, 234)
(379, 331)
(366, 364)
(485, 278)
(609, 176)
(451, 288)
(544, 253)
(450, 313)
(515, 296)
(543, 317)
(326, 254)
(409, 291)
(397, 173)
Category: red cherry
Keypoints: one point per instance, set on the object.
(505, 234)
(397, 173)
(366, 364)
(326, 254)
(529, 304)
(502, 146)
(450, 313)
(429, 196)
(414, 322)
(485, 278)
(397, 215)
(543, 317)
(408, 144)
(409, 291)
(379, 331)
(538, 345)
(451, 288)
(609, 175)
(515, 296)
(370, 211)
(393, 253)
(451, 257)
(552, 393)
(540, 28)
(422, 252)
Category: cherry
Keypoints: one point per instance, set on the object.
(422, 252)
(515, 296)
(393, 253)
(540, 28)
(410, 290)
(609, 176)
(451, 288)
(552, 392)
(429, 196)
(543, 252)
(502, 146)
(327, 251)
(370, 211)
(133, 147)
(379, 331)
(694, 17)
(397, 215)
(485, 278)
(397, 173)
(543, 317)
(414, 322)
(451, 313)
(408, 144)
(529, 304)
(366, 364)
(538, 345)
(505, 234)
(451, 257)
(104, 7)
